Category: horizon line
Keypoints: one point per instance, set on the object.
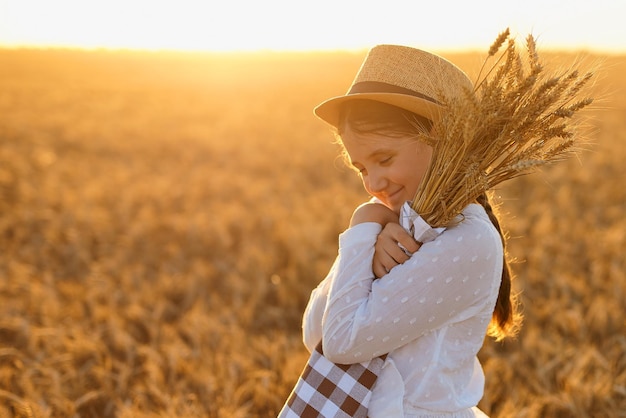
(466, 49)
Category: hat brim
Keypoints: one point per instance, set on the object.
(329, 110)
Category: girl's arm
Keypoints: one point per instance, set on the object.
(312, 318)
(388, 254)
(449, 279)
(393, 245)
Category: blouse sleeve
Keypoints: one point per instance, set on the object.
(312, 318)
(448, 280)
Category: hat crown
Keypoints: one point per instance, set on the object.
(426, 74)
(401, 76)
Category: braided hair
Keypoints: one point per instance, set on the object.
(506, 317)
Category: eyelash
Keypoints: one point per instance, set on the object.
(386, 161)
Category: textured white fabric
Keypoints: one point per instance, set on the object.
(430, 314)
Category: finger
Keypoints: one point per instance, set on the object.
(409, 243)
(397, 254)
(402, 237)
(389, 260)
(379, 270)
(389, 253)
(394, 248)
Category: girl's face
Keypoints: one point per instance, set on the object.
(391, 168)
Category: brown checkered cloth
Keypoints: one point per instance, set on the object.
(325, 389)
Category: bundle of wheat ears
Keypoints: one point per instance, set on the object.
(517, 118)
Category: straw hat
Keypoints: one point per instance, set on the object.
(402, 76)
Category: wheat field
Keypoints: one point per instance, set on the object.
(164, 217)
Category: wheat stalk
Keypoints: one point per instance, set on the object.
(517, 118)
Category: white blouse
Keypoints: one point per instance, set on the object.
(429, 313)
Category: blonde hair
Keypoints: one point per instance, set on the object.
(369, 116)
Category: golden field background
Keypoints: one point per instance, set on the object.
(164, 217)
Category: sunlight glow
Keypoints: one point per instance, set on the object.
(293, 25)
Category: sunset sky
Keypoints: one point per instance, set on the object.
(321, 24)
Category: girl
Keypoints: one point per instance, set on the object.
(425, 297)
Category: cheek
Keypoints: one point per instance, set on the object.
(420, 176)
(414, 175)
(421, 165)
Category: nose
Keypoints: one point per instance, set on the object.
(376, 182)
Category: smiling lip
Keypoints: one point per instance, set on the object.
(393, 196)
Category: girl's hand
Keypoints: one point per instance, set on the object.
(387, 250)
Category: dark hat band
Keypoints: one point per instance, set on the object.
(380, 87)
